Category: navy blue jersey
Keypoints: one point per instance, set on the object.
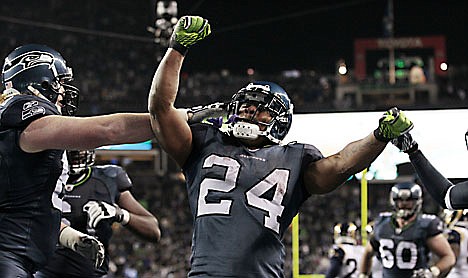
(30, 183)
(401, 251)
(101, 183)
(242, 202)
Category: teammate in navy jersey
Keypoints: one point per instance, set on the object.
(95, 197)
(244, 186)
(402, 239)
(34, 130)
(444, 192)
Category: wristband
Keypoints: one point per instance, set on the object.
(125, 217)
(435, 271)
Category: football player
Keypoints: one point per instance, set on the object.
(444, 192)
(457, 231)
(245, 186)
(96, 197)
(35, 129)
(403, 238)
(345, 254)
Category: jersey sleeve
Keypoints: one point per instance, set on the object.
(21, 110)
(199, 134)
(454, 237)
(124, 183)
(435, 227)
(311, 154)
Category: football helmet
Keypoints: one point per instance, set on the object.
(451, 217)
(45, 70)
(345, 233)
(406, 191)
(266, 96)
(79, 161)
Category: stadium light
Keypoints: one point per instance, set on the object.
(342, 69)
(166, 18)
(443, 66)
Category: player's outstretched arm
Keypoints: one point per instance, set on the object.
(327, 174)
(443, 191)
(61, 132)
(172, 129)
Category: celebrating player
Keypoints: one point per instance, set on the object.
(244, 186)
(33, 166)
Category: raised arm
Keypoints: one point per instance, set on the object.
(327, 174)
(169, 125)
(442, 190)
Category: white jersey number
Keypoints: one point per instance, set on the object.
(273, 208)
(389, 259)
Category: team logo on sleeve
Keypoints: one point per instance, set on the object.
(31, 108)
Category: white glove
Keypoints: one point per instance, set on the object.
(426, 273)
(98, 211)
(85, 245)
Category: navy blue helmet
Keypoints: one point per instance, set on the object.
(45, 70)
(272, 98)
(80, 160)
(406, 191)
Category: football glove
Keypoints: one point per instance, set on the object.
(392, 124)
(188, 31)
(98, 211)
(83, 244)
(405, 143)
(211, 111)
(426, 273)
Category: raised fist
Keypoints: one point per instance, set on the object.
(188, 31)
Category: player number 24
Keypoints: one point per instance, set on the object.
(273, 208)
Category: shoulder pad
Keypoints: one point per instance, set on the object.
(109, 170)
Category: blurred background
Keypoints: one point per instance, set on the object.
(330, 56)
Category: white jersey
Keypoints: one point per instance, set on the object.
(460, 270)
(351, 261)
(376, 269)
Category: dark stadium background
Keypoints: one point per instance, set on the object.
(113, 58)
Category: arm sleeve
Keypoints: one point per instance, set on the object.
(435, 227)
(436, 184)
(336, 261)
(457, 196)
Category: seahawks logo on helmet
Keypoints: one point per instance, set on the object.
(28, 60)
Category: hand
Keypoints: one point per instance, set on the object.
(405, 143)
(188, 31)
(211, 111)
(98, 211)
(85, 245)
(392, 124)
(422, 273)
(90, 247)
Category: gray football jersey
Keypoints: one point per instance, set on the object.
(401, 251)
(242, 202)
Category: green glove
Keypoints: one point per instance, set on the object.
(188, 31)
(392, 124)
